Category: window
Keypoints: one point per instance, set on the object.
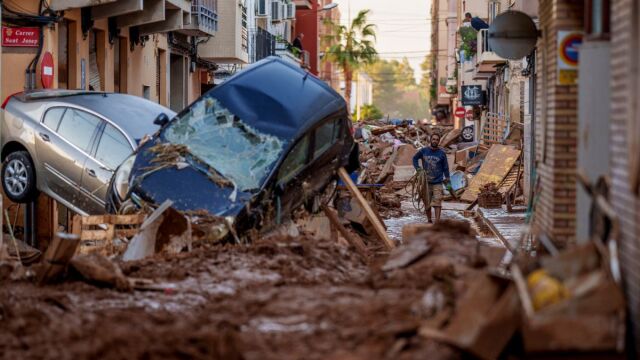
(113, 147)
(325, 136)
(78, 127)
(597, 18)
(494, 10)
(295, 161)
(52, 118)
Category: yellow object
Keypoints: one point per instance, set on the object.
(545, 290)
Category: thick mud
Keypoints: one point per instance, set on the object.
(281, 298)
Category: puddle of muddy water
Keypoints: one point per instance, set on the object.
(412, 216)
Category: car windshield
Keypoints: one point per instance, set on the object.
(223, 141)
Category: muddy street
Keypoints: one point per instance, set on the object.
(280, 298)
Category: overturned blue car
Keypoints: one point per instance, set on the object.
(252, 150)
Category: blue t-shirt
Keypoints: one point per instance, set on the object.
(434, 163)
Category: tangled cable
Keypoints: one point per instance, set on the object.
(418, 188)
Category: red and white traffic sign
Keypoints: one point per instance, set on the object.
(46, 70)
(460, 111)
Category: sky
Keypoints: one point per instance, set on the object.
(403, 27)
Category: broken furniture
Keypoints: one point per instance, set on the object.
(105, 234)
(590, 318)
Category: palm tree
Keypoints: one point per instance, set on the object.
(351, 47)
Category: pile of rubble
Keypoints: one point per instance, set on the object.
(387, 152)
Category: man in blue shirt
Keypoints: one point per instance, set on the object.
(436, 166)
(476, 23)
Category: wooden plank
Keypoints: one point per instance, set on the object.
(93, 235)
(497, 164)
(353, 239)
(523, 291)
(127, 233)
(57, 256)
(136, 219)
(377, 225)
(95, 220)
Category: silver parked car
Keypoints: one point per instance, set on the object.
(67, 143)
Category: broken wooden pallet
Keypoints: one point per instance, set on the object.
(98, 232)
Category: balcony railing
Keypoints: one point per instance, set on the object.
(263, 44)
(484, 54)
(205, 14)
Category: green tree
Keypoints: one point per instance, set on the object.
(426, 66)
(370, 112)
(406, 78)
(385, 91)
(353, 46)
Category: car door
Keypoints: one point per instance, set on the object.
(112, 148)
(63, 141)
(326, 150)
(291, 176)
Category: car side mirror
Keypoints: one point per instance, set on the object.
(161, 120)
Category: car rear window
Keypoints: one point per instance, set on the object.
(52, 118)
(113, 147)
(78, 127)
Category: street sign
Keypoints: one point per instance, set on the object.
(20, 36)
(469, 114)
(460, 112)
(472, 95)
(46, 70)
(568, 56)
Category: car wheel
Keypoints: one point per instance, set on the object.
(19, 177)
(467, 134)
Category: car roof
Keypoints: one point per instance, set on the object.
(279, 98)
(133, 114)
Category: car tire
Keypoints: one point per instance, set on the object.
(467, 134)
(19, 177)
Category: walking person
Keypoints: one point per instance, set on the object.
(436, 168)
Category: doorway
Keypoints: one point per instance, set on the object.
(67, 59)
(177, 93)
(120, 65)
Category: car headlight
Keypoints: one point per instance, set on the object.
(121, 180)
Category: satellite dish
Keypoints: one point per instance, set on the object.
(513, 35)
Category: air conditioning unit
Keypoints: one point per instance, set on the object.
(291, 11)
(276, 11)
(261, 9)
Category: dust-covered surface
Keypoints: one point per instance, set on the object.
(279, 298)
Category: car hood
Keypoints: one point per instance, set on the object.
(189, 188)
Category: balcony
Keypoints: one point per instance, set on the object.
(60, 5)
(204, 18)
(230, 43)
(485, 59)
(303, 4)
(262, 44)
(284, 51)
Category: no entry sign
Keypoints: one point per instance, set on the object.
(460, 111)
(568, 56)
(46, 70)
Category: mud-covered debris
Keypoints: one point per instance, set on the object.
(99, 270)
(406, 254)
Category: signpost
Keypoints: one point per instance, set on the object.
(568, 56)
(20, 36)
